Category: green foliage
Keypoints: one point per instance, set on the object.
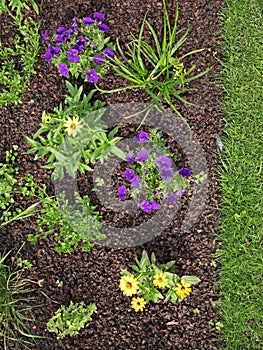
(156, 69)
(70, 223)
(74, 153)
(69, 320)
(14, 304)
(150, 275)
(15, 79)
(7, 179)
(18, 6)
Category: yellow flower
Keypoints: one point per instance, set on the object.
(73, 126)
(48, 119)
(138, 304)
(129, 285)
(160, 280)
(183, 288)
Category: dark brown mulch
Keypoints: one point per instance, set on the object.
(94, 276)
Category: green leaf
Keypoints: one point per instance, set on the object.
(191, 279)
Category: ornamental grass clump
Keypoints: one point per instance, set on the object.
(151, 281)
(82, 49)
(150, 168)
(157, 68)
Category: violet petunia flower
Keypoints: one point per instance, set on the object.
(143, 156)
(74, 23)
(63, 68)
(61, 38)
(108, 52)
(130, 158)
(80, 44)
(136, 181)
(184, 172)
(166, 174)
(61, 30)
(163, 162)
(88, 21)
(180, 193)
(171, 199)
(44, 36)
(98, 16)
(103, 27)
(148, 206)
(73, 55)
(122, 192)
(129, 174)
(98, 60)
(92, 76)
(51, 52)
(155, 192)
(142, 137)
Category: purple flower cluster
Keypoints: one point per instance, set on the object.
(164, 164)
(135, 180)
(142, 137)
(62, 35)
(148, 206)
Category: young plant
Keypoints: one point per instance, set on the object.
(74, 136)
(69, 320)
(18, 5)
(26, 47)
(150, 169)
(157, 69)
(151, 280)
(70, 223)
(82, 49)
(14, 304)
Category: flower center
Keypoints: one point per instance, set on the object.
(128, 285)
(72, 126)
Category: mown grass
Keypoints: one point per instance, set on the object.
(241, 176)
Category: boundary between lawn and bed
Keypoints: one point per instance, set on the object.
(241, 226)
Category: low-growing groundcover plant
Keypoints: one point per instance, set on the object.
(69, 320)
(74, 136)
(156, 69)
(151, 281)
(14, 80)
(82, 49)
(150, 169)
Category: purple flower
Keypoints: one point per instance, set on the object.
(142, 137)
(51, 52)
(136, 181)
(145, 172)
(184, 172)
(130, 158)
(166, 174)
(92, 76)
(148, 206)
(103, 27)
(63, 68)
(156, 192)
(163, 162)
(108, 52)
(129, 174)
(74, 22)
(143, 156)
(171, 198)
(80, 45)
(61, 38)
(60, 30)
(73, 55)
(44, 36)
(88, 20)
(180, 193)
(98, 60)
(98, 16)
(122, 192)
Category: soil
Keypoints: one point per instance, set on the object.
(94, 276)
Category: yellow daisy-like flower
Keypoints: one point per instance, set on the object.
(138, 304)
(160, 280)
(48, 119)
(73, 126)
(129, 285)
(183, 288)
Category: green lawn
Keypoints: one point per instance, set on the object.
(241, 176)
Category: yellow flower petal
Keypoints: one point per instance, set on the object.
(129, 285)
(138, 304)
(160, 280)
